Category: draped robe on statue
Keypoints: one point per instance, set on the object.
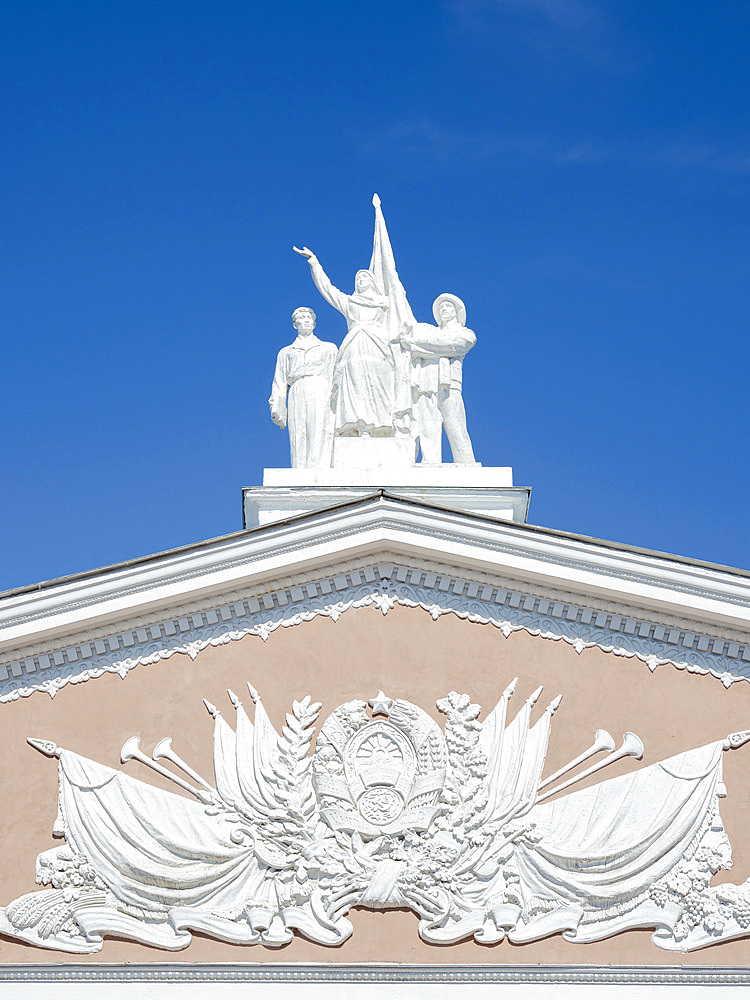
(363, 375)
(372, 374)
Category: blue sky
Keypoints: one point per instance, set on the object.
(577, 171)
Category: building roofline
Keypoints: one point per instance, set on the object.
(62, 630)
(383, 494)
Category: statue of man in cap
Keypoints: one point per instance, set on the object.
(437, 357)
(304, 371)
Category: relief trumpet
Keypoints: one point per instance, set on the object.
(602, 741)
(132, 751)
(163, 750)
(631, 747)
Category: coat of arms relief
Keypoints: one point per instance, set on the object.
(388, 810)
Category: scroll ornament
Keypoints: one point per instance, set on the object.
(390, 810)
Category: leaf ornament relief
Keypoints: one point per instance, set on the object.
(389, 810)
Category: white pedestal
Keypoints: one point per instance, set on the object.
(422, 476)
(289, 492)
(373, 452)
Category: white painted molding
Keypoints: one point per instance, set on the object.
(372, 526)
(266, 505)
(424, 477)
(506, 604)
(378, 973)
(633, 603)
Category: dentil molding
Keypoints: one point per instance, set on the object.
(438, 589)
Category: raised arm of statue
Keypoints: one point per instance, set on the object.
(323, 283)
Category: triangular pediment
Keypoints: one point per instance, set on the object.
(379, 551)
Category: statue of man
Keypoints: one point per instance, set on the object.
(304, 369)
(437, 357)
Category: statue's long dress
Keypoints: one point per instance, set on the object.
(364, 373)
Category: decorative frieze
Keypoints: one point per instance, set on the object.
(390, 810)
(438, 589)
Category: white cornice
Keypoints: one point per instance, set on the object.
(654, 582)
(383, 578)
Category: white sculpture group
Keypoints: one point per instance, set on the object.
(388, 811)
(391, 378)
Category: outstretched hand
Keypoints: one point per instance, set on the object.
(304, 252)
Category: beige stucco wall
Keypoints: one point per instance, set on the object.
(408, 655)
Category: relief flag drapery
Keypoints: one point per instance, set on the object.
(604, 847)
(387, 812)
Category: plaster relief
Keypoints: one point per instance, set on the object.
(389, 810)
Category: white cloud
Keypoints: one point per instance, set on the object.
(423, 138)
(574, 26)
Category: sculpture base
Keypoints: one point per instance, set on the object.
(383, 477)
(373, 452)
(290, 492)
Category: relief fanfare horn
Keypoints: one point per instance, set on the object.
(631, 747)
(163, 750)
(132, 751)
(602, 741)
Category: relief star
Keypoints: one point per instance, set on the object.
(381, 704)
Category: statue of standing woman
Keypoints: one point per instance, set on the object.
(364, 373)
